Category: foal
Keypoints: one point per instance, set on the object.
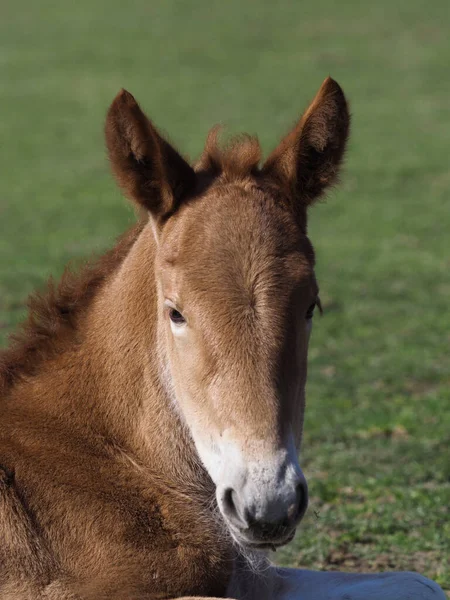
(152, 407)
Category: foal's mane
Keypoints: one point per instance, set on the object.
(54, 314)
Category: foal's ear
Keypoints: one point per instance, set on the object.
(307, 160)
(147, 168)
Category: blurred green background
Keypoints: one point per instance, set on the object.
(377, 433)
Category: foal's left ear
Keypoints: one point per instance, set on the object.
(307, 160)
(148, 169)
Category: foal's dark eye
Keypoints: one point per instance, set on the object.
(176, 317)
(310, 311)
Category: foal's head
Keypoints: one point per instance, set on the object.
(234, 270)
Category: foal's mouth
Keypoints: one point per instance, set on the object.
(271, 545)
(247, 540)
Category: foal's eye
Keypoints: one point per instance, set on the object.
(310, 311)
(176, 317)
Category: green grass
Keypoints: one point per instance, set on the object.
(376, 446)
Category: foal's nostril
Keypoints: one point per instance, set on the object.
(302, 502)
(231, 506)
(228, 501)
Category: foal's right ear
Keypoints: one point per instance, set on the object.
(147, 168)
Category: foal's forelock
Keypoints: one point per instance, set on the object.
(237, 159)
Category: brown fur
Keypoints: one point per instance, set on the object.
(102, 493)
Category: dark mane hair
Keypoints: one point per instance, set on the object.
(53, 315)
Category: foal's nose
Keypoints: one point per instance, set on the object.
(270, 518)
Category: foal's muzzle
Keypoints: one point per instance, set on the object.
(266, 520)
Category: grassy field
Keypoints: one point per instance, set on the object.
(377, 440)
